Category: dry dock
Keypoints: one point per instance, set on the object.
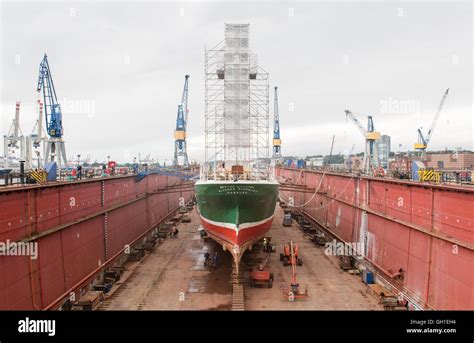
(329, 288)
(173, 277)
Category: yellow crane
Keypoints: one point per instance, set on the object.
(371, 158)
(423, 141)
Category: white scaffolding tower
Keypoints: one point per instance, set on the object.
(236, 104)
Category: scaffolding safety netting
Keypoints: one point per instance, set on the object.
(236, 105)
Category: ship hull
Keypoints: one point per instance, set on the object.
(236, 214)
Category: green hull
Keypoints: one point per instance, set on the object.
(236, 212)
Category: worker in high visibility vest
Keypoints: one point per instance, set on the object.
(265, 244)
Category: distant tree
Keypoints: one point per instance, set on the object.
(334, 159)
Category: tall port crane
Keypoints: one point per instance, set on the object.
(14, 136)
(55, 145)
(34, 139)
(422, 140)
(370, 161)
(330, 151)
(276, 128)
(180, 151)
(38, 134)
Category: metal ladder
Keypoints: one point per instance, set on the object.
(237, 290)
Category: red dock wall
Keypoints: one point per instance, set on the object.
(78, 227)
(425, 230)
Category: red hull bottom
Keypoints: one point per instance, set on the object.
(237, 241)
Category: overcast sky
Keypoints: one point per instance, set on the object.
(119, 67)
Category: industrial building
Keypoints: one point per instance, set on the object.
(383, 147)
(453, 161)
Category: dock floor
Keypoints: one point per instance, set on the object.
(173, 277)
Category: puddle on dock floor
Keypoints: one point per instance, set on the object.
(197, 284)
(213, 280)
(199, 258)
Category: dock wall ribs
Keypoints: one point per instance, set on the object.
(78, 228)
(418, 235)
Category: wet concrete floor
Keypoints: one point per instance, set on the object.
(174, 277)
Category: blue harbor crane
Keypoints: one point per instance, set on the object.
(55, 147)
(180, 151)
(52, 109)
(276, 129)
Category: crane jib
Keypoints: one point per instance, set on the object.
(422, 140)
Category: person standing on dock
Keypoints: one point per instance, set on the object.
(207, 258)
(79, 172)
(215, 260)
(174, 232)
(265, 244)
